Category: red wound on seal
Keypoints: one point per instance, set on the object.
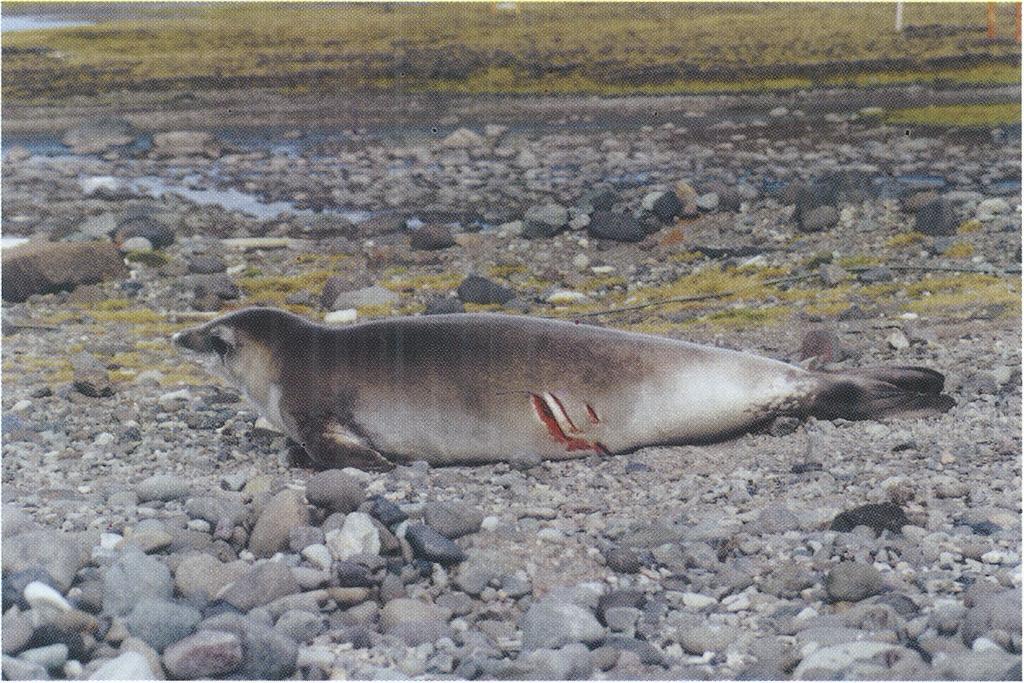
(592, 414)
(555, 430)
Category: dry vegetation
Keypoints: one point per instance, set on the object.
(473, 48)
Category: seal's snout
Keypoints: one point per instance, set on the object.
(188, 339)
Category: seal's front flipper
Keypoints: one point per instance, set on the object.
(336, 447)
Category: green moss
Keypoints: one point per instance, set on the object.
(601, 48)
(153, 259)
(904, 239)
(504, 270)
(604, 282)
(276, 288)
(960, 115)
(960, 250)
(968, 227)
(375, 311)
(130, 316)
(857, 261)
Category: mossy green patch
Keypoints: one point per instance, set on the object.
(276, 288)
(960, 250)
(134, 316)
(594, 284)
(153, 259)
(904, 239)
(504, 270)
(968, 227)
(959, 115)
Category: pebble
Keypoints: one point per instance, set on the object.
(357, 535)
(452, 519)
(285, 511)
(49, 657)
(205, 654)
(853, 581)
(335, 491)
(429, 545)
(45, 601)
(132, 577)
(161, 622)
(262, 584)
(551, 624)
(622, 560)
(130, 666)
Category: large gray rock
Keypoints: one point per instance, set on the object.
(47, 267)
(161, 622)
(545, 220)
(57, 553)
(161, 487)
(263, 584)
(819, 218)
(201, 574)
(206, 654)
(479, 290)
(99, 135)
(267, 654)
(997, 611)
(284, 512)
(185, 143)
(132, 577)
(551, 624)
(937, 217)
(853, 581)
(453, 519)
(620, 227)
(414, 621)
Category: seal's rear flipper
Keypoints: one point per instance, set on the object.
(876, 393)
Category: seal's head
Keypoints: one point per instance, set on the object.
(242, 346)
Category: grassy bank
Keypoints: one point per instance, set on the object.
(541, 48)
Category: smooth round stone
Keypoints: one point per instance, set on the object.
(853, 581)
(284, 512)
(452, 519)
(45, 600)
(126, 667)
(206, 654)
(49, 657)
(335, 491)
(429, 545)
(357, 535)
(161, 622)
(162, 487)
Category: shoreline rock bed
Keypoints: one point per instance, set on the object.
(152, 528)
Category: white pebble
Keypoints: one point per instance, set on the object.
(45, 599)
(698, 601)
(490, 523)
(318, 555)
(21, 405)
(345, 315)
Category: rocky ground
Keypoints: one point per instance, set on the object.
(152, 529)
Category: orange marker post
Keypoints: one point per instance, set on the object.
(990, 14)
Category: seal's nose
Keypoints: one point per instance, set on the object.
(179, 338)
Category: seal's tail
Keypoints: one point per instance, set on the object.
(875, 393)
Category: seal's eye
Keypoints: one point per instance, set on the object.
(219, 345)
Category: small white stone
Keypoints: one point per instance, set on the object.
(318, 555)
(109, 541)
(984, 644)
(602, 270)
(340, 317)
(174, 399)
(580, 261)
(45, 600)
(21, 405)
(103, 439)
(698, 600)
(566, 297)
(490, 523)
(898, 340)
(737, 603)
(993, 557)
(356, 535)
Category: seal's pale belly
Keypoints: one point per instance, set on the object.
(725, 392)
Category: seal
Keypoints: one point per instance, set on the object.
(476, 388)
